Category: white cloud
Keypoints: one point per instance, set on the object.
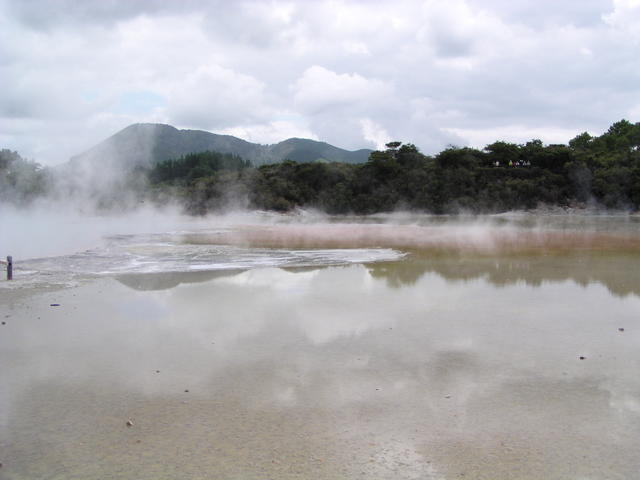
(213, 97)
(481, 137)
(420, 71)
(320, 89)
(625, 13)
(269, 133)
(356, 48)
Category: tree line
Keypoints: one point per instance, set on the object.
(602, 171)
(591, 170)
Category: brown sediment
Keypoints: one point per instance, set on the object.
(462, 238)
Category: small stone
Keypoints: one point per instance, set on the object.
(186, 391)
(447, 396)
(129, 423)
(582, 358)
(4, 323)
(621, 329)
(54, 305)
(157, 371)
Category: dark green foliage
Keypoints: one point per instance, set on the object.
(195, 165)
(504, 176)
(603, 171)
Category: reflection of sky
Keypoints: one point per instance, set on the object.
(542, 329)
(341, 307)
(467, 359)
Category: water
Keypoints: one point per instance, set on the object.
(81, 248)
(173, 252)
(449, 350)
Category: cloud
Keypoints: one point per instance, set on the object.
(214, 97)
(625, 18)
(541, 15)
(320, 90)
(38, 14)
(271, 132)
(480, 138)
(347, 72)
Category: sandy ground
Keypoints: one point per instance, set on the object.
(341, 372)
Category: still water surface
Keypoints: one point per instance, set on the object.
(385, 356)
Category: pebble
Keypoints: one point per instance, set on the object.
(54, 305)
(157, 371)
(582, 358)
(4, 323)
(186, 391)
(621, 329)
(129, 423)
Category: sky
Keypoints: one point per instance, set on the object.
(356, 73)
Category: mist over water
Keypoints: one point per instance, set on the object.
(56, 246)
(150, 240)
(401, 345)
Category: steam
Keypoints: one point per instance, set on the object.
(61, 229)
(97, 195)
(455, 235)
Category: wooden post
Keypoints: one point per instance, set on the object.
(9, 267)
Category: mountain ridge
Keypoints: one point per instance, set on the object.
(144, 144)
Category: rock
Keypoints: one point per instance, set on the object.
(621, 329)
(129, 423)
(54, 305)
(582, 358)
(186, 391)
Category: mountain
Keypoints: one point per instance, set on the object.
(143, 144)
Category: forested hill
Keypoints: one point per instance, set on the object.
(145, 144)
(599, 172)
(603, 172)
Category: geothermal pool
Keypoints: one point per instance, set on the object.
(391, 347)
